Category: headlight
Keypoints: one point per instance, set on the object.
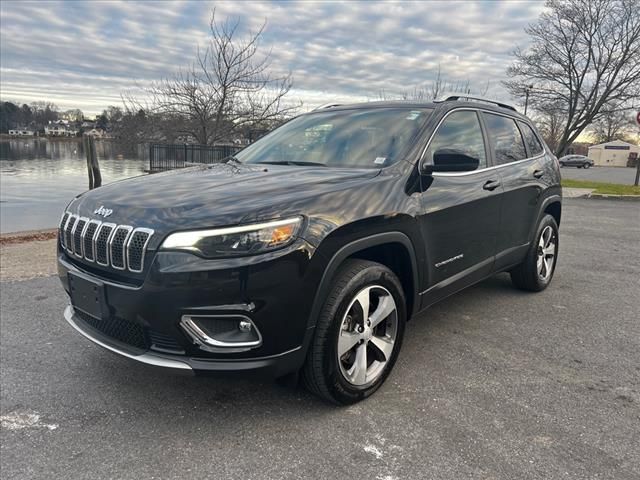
(236, 241)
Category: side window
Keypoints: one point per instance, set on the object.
(505, 139)
(533, 143)
(460, 131)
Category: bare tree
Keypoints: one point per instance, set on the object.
(550, 119)
(615, 123)
(227, 88)
(434, 89)
(583, 55)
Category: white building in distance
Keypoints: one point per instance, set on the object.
(613, 154)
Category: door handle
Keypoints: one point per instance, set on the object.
(538, 174)
(491, 185)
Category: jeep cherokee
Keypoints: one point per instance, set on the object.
(311, 248)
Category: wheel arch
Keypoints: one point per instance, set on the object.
(379, 247)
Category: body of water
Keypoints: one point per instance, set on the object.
(39, 177)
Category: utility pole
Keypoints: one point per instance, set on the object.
(527, 89)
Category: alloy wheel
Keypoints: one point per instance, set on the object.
(367, 335)
(546, 253)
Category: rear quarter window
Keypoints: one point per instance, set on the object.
(505, 139)
(534, 146)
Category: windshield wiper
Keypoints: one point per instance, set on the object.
(295, 162)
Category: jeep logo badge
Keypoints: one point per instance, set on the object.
(105, 212)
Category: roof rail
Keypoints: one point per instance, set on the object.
(326, 105)
(453, 98)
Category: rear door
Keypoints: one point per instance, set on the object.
(460, 210)
(521, 173)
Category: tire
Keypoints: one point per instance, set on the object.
(561, 164)
(586, 165)
(341, 321)
(536, 270)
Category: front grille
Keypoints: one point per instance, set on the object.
(121, 247)
(117, 328)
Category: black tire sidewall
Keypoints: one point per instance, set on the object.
(343, 391)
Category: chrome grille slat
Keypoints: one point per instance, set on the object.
(63, 225)
(101, 244)
(136, 248)
(117, 246)
(69, 232)
(88, 240)
(121, 247)
(78, 232)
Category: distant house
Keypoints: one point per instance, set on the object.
(59, 130)
(22, 132)
(613, 154)
(87, 125)
(96, 133)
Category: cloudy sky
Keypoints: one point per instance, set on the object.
(84, 54)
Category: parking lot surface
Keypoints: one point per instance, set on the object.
(622, 175)
(491, 383)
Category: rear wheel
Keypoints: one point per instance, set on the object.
(358, 334)
(536, 271)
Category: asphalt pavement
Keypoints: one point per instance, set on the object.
(492, 383)
(622, 175)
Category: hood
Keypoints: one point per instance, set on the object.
(205, 196)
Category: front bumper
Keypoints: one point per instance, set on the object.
(274, 294)
(273, 366)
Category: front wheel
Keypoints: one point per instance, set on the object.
(586, 165)
(536, 271)
(358, 334)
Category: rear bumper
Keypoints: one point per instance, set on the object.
(272, 366)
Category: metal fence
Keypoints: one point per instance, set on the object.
(168, 157)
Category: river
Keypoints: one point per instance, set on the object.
(38, 178)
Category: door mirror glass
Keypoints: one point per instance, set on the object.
(452, 160)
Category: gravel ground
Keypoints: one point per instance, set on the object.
(492, 383)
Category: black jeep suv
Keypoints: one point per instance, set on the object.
(311, 248)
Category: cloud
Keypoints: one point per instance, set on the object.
(84, 54)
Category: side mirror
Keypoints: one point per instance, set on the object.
(451, 160)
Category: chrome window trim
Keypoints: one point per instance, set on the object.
(107, 241)
(128, 228)
(93, 240)
(70, 247)
(480, 170)
(144, 247)
(82, 233)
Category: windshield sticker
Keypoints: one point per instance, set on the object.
(413, 115)
(379, 160)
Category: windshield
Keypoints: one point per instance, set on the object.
(362, 138)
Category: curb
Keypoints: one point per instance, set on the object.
(604, 196)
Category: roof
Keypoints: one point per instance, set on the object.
(615, 142)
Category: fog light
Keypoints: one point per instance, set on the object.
(222, 333)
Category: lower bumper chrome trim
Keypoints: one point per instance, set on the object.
(147, 358)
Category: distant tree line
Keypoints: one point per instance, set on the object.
(34, 115)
